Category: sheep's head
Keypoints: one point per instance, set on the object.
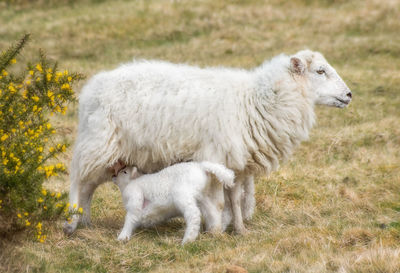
(329, 89)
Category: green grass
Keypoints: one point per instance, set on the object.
(333, 207)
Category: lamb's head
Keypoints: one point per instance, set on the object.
(328, 88)
(125, 175)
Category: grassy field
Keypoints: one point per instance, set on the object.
(334, 207)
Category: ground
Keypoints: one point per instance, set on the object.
(335, 206)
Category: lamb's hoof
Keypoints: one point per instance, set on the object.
(123, 237)
(215, 230)
(187, 240)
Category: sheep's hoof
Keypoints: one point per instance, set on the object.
(70, 227)
(86, 222)
(241, 231)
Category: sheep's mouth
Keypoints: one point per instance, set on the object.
(345, 102)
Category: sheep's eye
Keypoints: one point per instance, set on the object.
(321, 71)
(125, 172)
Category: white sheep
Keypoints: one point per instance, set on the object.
(179, 190)
(153, 114)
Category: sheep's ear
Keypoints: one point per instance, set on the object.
(297, 65)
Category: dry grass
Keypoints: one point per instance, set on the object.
(334, 207)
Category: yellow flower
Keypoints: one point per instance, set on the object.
(39, 67)
(40, 200)
(35, 98)
(19, 215)
(27, 223)
(26, 214)
(44, 192)
(65, 86)
(45, 207)
(4, 137)
(69, 78)
(74, 206)
(39, 225)
(80, 210)
(51, 149)
(31, 72)
(58, 195)
(5, 73)
(13, 61)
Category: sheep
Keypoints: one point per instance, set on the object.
(153, 114)
(181, 189)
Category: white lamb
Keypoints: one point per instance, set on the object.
(181, 189)
(153, 114)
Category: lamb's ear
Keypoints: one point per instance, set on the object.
(134, 173)
(297, 65)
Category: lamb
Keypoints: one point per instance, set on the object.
(153, 114)
(181, 189)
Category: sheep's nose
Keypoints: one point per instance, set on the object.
(349, 95)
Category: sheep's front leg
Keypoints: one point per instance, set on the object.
(248, 199)
(227, 212)
(236, 196)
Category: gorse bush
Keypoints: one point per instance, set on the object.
(30, 145)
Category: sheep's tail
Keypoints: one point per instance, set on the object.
(223, 174)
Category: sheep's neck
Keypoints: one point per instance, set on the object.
(279, 121)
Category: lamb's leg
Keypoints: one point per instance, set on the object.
(131, 223)
(216, 195)
(236, 196)
(248, 199)
(192, 216)
(211, 214)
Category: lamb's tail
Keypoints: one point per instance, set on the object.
(223, 174)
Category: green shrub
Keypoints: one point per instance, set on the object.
(29, 143)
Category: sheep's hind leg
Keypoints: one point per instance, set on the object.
(86, 196)
(81, 194)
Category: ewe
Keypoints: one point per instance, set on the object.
(153, 114)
